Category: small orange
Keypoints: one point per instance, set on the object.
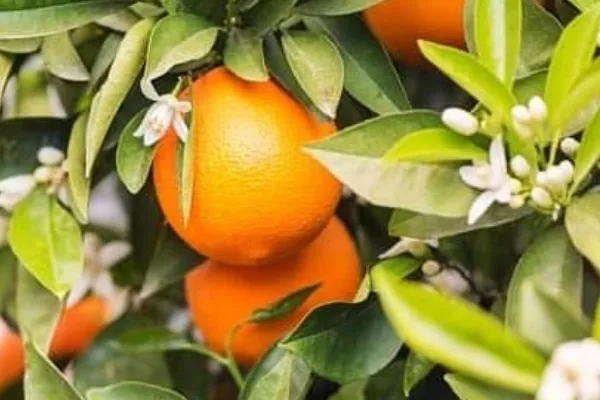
(257, 197)
(76, 330)
(399, 24)
(222, 296)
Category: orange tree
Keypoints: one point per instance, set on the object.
(250, 199)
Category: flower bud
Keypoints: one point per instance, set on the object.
(520, 167)
(541, 197)
(43, 174)
(538, 109)
(524, 131)
(431, 267)
(568, 170)
(50, 156)
(515, 186)
(521, 115)
(556, 178)
(460, 121)
(569, 146)
(516, 202)
(18, 185)
(542, 179)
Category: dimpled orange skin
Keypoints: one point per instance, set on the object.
(257, 196)
(76, 330)
(399, 24)
(221, 296)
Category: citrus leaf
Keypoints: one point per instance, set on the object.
(572, 56)
(32, 98)
(596, 326)
(318, 67)
(470, 389)
(583, 224)
(335, 7)
(79, 185)
(370, 76)
(416, 369)
(589, 151)
(134, 159)
(498, 36)
(9, 266)
(434, 145)
(132, 391)
(267, 14)
(61, 58)
(20, 19)
(284, 306)
(529, 86)
(244, 56)
(20, 46)
(458, 335)
(121, 77)
(6, 63)
(121, 21)
(47, 241)
(584, 4)
(423, 188)
(104, 58)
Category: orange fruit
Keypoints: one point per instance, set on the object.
(222, 296)
(399, 24)
(257, 197)
(76, 330)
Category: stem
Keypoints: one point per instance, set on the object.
(230, 13)
(231, 365)
(554, 148)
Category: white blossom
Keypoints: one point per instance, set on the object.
(521, 114)
(569, 146)
(15, 189)
(538, 109)
(165, 113)
(541, 197)
(43, 174)
(50, 156)
(492, 178)
(516, 202)
(573, 372)
(416, 247)
(568, 170)
(460, 121)
(448, 280)
(520, 166)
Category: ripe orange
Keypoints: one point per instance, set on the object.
(399, 24)
(257, 196)
(75, 332)
(222, 296)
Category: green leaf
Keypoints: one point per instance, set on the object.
(498, 36)
(121, 21)
(458, 335)
(370, 76)
(8, 271)
(21, 46)
(134, 159)
(79, 185)
(175, 40)
(318, 67)
(132, 391)
(435, 145)
(596, 326)
(470, 389)
(284, 306)
(583, 223)
(47, 241)
(20, 19)
(61, 58)
(43, 380)
(267, 14)
(472, 76)
(335, 7)
(588, 153)
(422, 226)
(104, 58)
(416, 369)
(38, 310)
(6, 63)
(529, 86)
(423, 188)
(572, 56)
(244, 56)
(344, 342)
(121, 77)
(279, 375)
(400, 267)
(584, 4)
(32, 98)
(171, 260)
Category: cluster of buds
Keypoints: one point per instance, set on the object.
(529, 120)
(552, 185)
(52, 171)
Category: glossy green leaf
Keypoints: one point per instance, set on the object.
(132, 391)
(121, 21)
(458, 335)
(104, 58)
(8, 271)
(32, 98)
(79, 185)
(134, 159)
(267, 14)
(530, 85)
(244, 56)
(370, 76)
(6, 63)
(596, 326)
(498, 27)
(20, 46)
(178, 39)
(38, 310)
(21, 19)
(422, 226)
(43, 380)
(344, 342)
(588, 153)
(583, 223)
(435, 145)
(470, 389)
(121, 77)
(335, 7)
(61, 58)
(423, 188)
(471, 75)
(584, 4)
(572, 56)
(284, 306)
(318, 67)
(416, 369)
(279, 375)
(47, 241)
(400, 267)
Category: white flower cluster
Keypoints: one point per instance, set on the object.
(573, 372)
(167, 111)
(529, 120)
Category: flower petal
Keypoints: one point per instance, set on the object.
(480, 206)
(79, 290)
(149, 90)
(399, 248)
(504, 194)
(113, 253)
(498, 156)
(471, 176)
(180, 127)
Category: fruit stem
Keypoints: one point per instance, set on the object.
(231, 365)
